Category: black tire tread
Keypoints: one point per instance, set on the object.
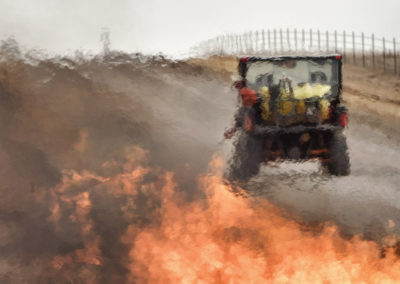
(339, 164)
(247, 157)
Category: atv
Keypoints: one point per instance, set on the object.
(290, 109)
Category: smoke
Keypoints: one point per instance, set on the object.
(109, 176)
(92, 118)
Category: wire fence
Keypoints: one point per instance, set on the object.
(361, 49)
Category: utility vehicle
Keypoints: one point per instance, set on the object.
(290, 109)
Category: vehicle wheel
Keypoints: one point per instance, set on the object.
(339, 163)
(247, 157)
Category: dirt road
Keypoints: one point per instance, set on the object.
(365, 202)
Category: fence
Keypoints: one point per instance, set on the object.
(358, 49)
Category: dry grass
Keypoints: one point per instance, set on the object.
(226, 65)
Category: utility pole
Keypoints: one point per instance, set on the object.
(105, 39)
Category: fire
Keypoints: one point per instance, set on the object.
(226, 239)
(221, 238)
(81, 205)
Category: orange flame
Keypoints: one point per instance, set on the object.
(225, 239)
(222, 238)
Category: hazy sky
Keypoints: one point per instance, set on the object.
(172, 26)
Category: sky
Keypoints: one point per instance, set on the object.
(173, 26)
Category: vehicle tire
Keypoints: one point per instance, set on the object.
(248, 155)
(339, 164)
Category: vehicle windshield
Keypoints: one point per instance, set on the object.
(318, 75)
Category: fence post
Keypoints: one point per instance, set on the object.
(327, 41)
(263, 40)
(269, 40)
(233, 43)
(319, 41)
(246, 43)
(373, 51)
(236, 44)
(303, 43)
(239, 51)
(224, 45)
(281, 35)
(219, 44)
(245, 46)
(394, 56)
(336, 51)
(354, 47)
(239, 43)
(363, 53)
(256, 43)
(288, 38)
(229, 43)
(384, 54)
(295, 40)
(251, 41)
(233, 38)
(344, 46)
(275, 41)
(310, 39)
(243, 43)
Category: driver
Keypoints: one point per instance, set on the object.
(245, 115)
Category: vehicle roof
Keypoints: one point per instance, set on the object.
(288, 57)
